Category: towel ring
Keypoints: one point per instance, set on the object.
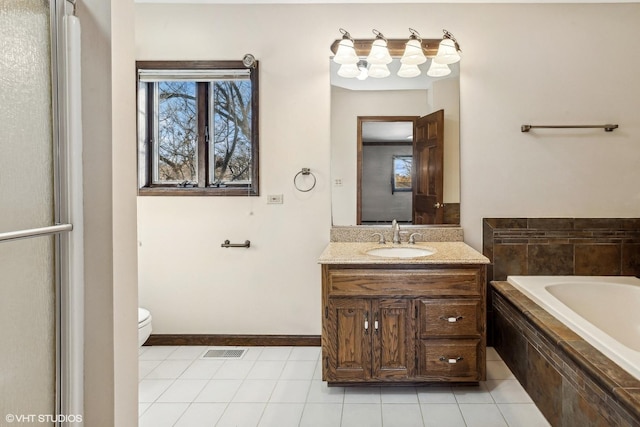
(304, 171)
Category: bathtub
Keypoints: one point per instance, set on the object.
(603, 310)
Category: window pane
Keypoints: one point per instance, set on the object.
(230, 161)
(176, 147)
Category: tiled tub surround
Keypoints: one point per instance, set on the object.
(562, 246)
(364, 233)
(570, 381)
(559, 246)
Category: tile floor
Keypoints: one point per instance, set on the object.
(282, 386)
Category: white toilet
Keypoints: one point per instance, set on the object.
(144, 325)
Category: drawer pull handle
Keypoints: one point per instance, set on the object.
(451, 319)
(450, 360)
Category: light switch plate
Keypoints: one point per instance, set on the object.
(274, 199)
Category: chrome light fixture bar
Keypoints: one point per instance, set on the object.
(379, 52)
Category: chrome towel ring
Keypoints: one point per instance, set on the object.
(304, 172)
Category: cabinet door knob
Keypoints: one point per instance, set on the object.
(450, 360)
(366, 323)
(375, 323)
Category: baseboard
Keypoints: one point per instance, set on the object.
(222, 340)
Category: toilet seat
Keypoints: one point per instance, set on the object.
(144, 317)
(144, 325)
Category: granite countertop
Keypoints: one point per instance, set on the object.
(445, 253)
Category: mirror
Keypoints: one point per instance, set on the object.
(374, 124)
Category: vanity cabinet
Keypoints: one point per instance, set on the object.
(400, 323)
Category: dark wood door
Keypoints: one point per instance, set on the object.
(393, 339)
(428, 160)
(349, 339)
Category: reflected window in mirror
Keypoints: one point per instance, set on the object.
(401, 175)
(197, 128)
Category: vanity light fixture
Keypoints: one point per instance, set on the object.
(448, 50)
(358, 70)
(381, 51)
(346, 53)
(438, 70)
(409, 70)
(379, 71)
(348, 71)
(413, 53)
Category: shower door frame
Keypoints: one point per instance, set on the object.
(69, 307)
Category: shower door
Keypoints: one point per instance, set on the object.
(33, 242)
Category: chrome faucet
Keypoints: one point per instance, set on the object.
(396, 231)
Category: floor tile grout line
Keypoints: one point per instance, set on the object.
(306, 400)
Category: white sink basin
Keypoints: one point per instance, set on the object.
(400, 252)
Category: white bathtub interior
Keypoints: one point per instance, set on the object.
(603, 310)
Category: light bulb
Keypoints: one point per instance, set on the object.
(364, 73)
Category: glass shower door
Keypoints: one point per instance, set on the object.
(28, 266)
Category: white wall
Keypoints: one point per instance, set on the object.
(522, 63)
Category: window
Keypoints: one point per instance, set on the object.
(197, 128)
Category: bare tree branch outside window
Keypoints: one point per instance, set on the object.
(231, 131)
(177, 131)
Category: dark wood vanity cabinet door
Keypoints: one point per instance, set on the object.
(370, 339)
(393, 339)
(348, 347)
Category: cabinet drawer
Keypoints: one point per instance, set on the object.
(454, 281)
(456, 317)
(449, 359)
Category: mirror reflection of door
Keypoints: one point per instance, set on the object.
(428, 155)
(400, 169)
